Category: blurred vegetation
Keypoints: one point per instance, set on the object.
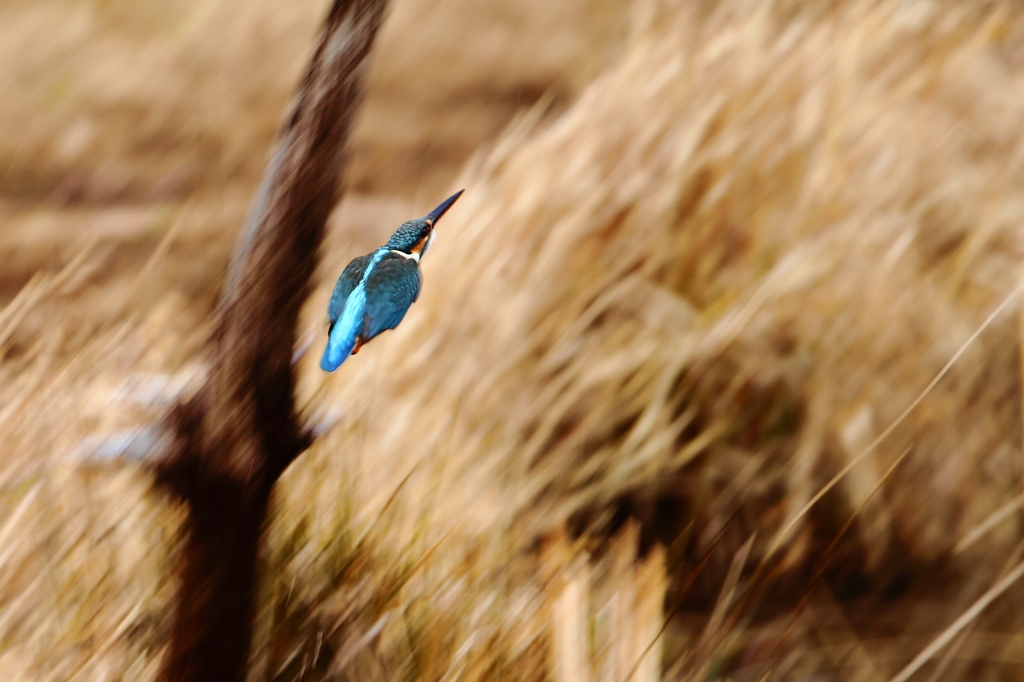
(708, 254)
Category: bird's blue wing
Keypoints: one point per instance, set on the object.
(350, 277)
(393, 286)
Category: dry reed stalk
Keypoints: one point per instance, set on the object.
(570, 645)
(606, 616)
(569, 591)
(650, 585)
(36, 289)
(960, 623)
(622, 632)
(994, 519)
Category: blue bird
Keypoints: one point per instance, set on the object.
(375, 291)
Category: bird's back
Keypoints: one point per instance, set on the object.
(392, 285)
(350, 277)
(347, 310)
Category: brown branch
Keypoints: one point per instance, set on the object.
(239, 433)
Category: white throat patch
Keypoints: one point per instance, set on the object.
(407, 256)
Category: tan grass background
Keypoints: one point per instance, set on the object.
(708, 253)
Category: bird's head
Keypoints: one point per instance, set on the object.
(414, 237)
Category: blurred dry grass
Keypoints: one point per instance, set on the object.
(722, 255)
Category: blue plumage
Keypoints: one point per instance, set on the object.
(375, 291)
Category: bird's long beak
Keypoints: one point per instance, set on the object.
(436, 214)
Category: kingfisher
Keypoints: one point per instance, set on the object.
(375, 291)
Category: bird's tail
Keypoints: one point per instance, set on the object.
(339, 347)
